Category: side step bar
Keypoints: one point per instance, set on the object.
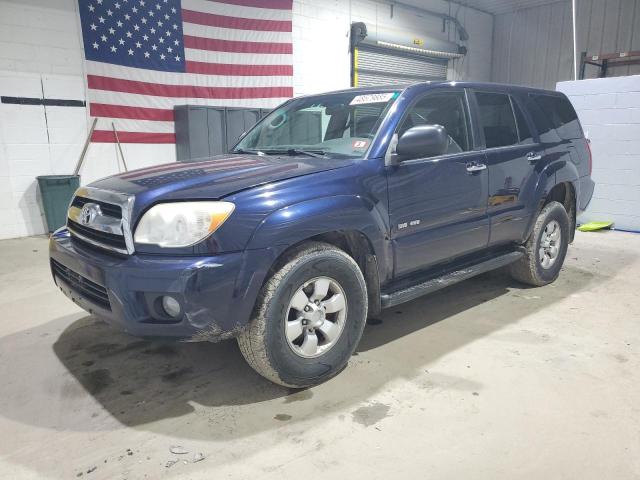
(433, 284)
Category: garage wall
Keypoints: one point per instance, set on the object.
(314, 48)
(41, 57)
(609, 110)
(321, 38)
(535, 47)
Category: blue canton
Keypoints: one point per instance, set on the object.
(135, 33)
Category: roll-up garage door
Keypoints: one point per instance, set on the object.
(374, 65)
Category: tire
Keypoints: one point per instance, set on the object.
(536, 268)
(265, 343)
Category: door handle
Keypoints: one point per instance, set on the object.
(533, 157)
(475, 167)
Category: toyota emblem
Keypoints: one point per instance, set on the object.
(89, 213)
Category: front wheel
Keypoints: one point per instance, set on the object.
(308, 319)
(546, 248)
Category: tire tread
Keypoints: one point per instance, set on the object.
(525, 269)
(252, 340)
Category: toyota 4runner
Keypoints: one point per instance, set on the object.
(331, 208)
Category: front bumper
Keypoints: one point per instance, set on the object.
(216, 293)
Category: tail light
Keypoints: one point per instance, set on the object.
(590, 156)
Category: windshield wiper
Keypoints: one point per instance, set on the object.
(295, 151)
(250, 152)
(310, 153)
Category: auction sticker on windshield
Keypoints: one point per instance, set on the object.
(372, 98)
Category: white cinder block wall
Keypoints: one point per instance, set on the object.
(38, 53)
(41, 57)
(609, 110)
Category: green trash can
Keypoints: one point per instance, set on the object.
(56, 192)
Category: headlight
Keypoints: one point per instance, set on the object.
(181, 224)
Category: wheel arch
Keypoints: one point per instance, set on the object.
(346, 222)
(565, 194)
(557, 182)
(359, 247)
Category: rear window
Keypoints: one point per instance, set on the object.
(497, 120)
(554, 118)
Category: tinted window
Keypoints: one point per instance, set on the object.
(555, 117)
(524, 132)
(497, 120)
(446, 109)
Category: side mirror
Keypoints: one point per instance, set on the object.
(422, 141)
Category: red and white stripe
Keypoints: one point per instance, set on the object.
(251, 166)
(237, 52)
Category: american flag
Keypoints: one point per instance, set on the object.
(143, 57)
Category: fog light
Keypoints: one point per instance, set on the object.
(171, 306)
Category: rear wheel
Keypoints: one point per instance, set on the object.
(308, 319)
(546, 248)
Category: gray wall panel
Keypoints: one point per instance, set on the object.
(542, 43)
(635, 35)
(565, 67)
(610, 24)
(534, 46)
(556, 24)
(625, 27)
(596, 24)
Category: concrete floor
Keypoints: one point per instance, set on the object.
(484, 380)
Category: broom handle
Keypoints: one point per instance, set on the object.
(85, 148)
(115, 132)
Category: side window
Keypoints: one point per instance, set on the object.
(446, 109)
(555, 117)
(497, 119)
(524, 133)
(569, 124)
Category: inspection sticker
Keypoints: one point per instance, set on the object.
(372, 98)
(360, 143)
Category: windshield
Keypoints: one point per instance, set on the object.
(339, 125)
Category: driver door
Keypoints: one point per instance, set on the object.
(438, 205)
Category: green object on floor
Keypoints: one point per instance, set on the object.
(56, 192)
(594, 226)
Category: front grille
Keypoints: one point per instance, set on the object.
(108, 209)
(104, 224)
(109, 240)
(83, 286)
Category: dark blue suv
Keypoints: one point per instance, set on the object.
(330, 209)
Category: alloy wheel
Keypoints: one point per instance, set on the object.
(315, 317)
(550, 244)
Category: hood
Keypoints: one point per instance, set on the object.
(212, 178)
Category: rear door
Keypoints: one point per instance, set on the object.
(437, 205)
(513, 157)
(563, 139)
